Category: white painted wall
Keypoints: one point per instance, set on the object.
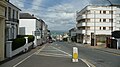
(29, 24)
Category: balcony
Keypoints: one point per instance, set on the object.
(80, 17)
(92, 24)
(80, 24)
(98, 32)
(13, 20)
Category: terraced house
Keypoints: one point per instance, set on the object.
(9, 21)
(3, 5)
(12, 21)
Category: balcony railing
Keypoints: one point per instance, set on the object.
(13, 20)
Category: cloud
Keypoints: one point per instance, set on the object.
(36, 4)
(18, 3)
(62, 17)
(61, 14)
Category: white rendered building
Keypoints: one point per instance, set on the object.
(97, 20)
(30, 25)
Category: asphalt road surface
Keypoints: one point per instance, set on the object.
(93, 57)
(48, 56)
(59, 54)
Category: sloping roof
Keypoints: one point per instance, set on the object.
(9, 3)
(26, 16)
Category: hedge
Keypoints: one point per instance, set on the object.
(31, 38)
(21, 41)
(18, 42)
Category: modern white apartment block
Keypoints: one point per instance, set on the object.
(97, 20)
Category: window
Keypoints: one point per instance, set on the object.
(110, 20)
(100, 12)
(104, 12)
(5, 11)
(13, 14)
(16, 14)
(100, 28)
(88, 20)
(88, 11)
(110, 28)
(111, 12)
(104, 20)
(9, 12)
(100, 20)
(104, 28)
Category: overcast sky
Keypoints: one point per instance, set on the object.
(58, 14)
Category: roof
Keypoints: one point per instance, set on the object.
(26, 16)
(13, 5)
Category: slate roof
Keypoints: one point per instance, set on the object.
(26, 16)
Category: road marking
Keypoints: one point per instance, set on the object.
(61, 51)
(88, 63)
(38, 51)
(85, 61)
(28, 57)
(54, 55)
(49, 50)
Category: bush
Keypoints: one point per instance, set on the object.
(64, 39)
(31, 38)
(18, 42)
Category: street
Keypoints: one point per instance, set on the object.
(59, 54)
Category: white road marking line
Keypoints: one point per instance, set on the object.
(61, 51)
(22, 60)
(38, 51)
(28, 57)
(86, 62)
(53, 54)
(49, 50)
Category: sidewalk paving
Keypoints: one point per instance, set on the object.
(102, 47)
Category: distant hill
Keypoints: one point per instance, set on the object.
(54, 33)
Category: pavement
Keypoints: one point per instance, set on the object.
(102, 47)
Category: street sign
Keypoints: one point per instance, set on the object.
(37, 33)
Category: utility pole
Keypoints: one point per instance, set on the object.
(94, 28)
(86, 28)
(111, 15)
(111, 19)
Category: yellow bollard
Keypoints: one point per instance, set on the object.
(75, 54)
